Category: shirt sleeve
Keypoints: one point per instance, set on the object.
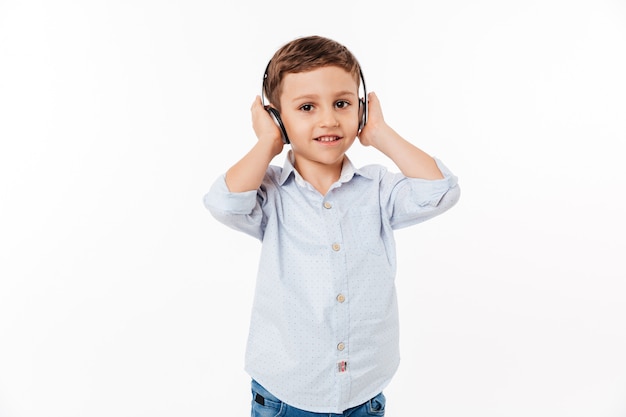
(414, 200)
(240, 211)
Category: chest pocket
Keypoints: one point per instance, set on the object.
(365, 229)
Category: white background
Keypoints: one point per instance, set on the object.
(121, 296)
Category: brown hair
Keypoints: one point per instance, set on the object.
(306, 54)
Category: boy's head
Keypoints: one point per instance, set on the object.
(306, 54)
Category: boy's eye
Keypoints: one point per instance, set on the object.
(306, 107)
(342, 104)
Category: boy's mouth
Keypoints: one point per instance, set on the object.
(327, 138)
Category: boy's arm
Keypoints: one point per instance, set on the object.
(247, 174)
(412, 161)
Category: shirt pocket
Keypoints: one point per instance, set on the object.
(366, 229)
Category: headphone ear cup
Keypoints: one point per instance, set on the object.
(276, 116)
(362, 114)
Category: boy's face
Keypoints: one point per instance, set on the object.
(320, 111)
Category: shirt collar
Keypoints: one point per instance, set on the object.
(347, 171)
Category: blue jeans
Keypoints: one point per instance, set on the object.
(265, 404)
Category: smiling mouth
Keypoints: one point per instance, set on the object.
(327, 138)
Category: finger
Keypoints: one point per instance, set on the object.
(256, 102)
(371, 97)
(374, 105)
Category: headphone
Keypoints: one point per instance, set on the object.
(276, 114)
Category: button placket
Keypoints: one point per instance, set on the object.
(331, 214)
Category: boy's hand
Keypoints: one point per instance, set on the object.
(264, 126)
(376, 128)
(412, 161)
(248, 173)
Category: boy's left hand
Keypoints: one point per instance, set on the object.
(412, 161)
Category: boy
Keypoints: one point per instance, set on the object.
(324, 328)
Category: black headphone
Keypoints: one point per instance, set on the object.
(276, 115)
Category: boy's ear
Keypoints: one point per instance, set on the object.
(276, 116)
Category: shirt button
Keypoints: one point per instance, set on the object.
(336, 246)
(341, 346)
(341, 298)
(327, 205)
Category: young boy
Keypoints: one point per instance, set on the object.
(324, 328)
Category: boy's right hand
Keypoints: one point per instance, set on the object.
(264, 126)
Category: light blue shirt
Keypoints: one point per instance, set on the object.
(324, 328)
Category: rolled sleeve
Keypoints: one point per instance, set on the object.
(430, 192)
(238, 210)
(417, 200)
(221, 199)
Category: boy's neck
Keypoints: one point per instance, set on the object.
(320, 176)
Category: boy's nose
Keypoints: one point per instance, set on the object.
(328, 118)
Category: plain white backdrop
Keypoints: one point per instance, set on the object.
(121, 296)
